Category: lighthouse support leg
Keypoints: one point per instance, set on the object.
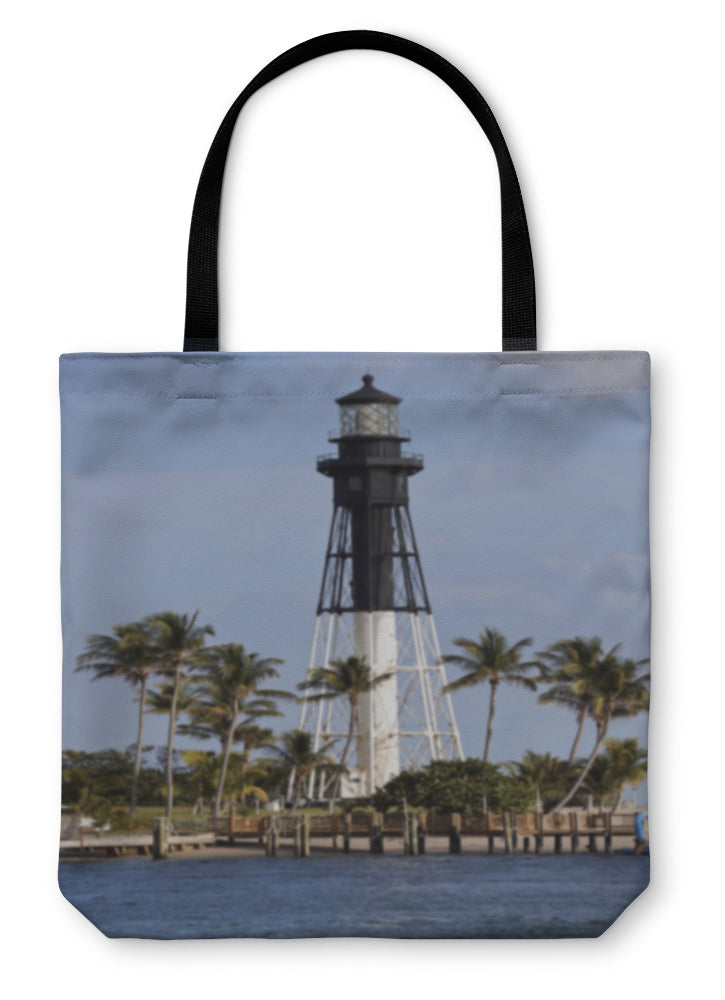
(377, 747)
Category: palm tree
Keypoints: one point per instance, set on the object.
(562, 665)
(160, 699)
(129, 654)
(244, 772)
(177, 640)
(231, 684)
(205, 774)
(545, 776)
(244, 775)
(298, 759)
(616, 690)
(349, 679)
(599, 782)
(490, 659)
(183, 698)
(626, 763)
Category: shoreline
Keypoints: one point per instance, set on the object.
(394, 846)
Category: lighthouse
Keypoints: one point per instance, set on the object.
(373, 604)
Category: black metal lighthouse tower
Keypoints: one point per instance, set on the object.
(370, 475)
(373, 602)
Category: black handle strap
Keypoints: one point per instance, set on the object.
(202, 301)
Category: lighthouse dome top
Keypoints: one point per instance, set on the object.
(368, 412)
(367, 393)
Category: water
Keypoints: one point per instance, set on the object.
(433, 896)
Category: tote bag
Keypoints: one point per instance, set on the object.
(389, 680)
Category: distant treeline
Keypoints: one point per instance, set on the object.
(97, 783)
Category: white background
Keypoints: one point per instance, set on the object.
(361, 212)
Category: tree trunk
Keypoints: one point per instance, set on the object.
(620, 796)
(298, 794)
(582, 718)
(489, 727)
(602, 732)
(139, 745)
(170, 745)
(343, 758)
(227, 749)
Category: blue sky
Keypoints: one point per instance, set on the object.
(189, 484)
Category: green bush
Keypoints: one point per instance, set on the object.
(447, 786)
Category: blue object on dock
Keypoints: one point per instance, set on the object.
(639, 826)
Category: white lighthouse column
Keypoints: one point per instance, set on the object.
(377, 742)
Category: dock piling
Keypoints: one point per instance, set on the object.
(410, 834)
(271, 839)
(298, 836)
(376, 834)
(507, 834)
(421, 833)
(161, 830)
(454, 834)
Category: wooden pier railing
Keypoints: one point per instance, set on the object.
(510, 832)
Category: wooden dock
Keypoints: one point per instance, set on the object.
(116, 845)
(457, 833)
(509, 832)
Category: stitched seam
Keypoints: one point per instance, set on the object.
(316, 395)
(466, 359)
